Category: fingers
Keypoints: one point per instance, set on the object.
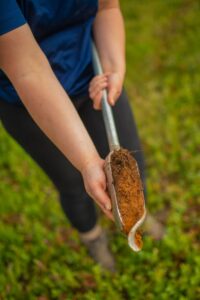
(97, 82)
(97, 85)
(101, 198)
(97, 100)
(104, 203)
(112, 82)
(107, 213)
(95, 185)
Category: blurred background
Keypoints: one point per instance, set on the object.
(41, 256)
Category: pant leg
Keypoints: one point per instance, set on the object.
(126, 128)
(76, 204)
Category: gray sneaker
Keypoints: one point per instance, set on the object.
(99, 251)
(153, 227)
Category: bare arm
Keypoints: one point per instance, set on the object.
(29, 71)
(109, 36)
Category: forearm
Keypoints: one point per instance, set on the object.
(109, 36)
(29, 71)
(43, 96)
(54, 113)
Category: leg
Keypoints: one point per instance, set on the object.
(76, 204)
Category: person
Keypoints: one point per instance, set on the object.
(50, 100)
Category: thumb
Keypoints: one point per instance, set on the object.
(112, 95)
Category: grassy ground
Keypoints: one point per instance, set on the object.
(41, 256)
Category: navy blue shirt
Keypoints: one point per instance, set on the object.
(62, 28)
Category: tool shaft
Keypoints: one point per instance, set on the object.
(109, 122)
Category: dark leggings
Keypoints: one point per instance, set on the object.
(77, 205)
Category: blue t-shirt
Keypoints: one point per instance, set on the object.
(62, 28)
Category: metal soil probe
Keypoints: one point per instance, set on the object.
(113, 145)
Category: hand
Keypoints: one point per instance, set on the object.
(95, 184)
(113, 82)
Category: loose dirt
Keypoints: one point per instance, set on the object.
(129, 190)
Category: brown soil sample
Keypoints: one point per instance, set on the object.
(129, 190)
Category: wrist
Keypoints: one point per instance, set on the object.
(120, 71)
(90, 162)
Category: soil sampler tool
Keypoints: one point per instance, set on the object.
(124, 183)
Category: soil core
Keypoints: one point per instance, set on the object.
(129, 190)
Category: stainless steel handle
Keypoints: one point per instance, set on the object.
(106, 108)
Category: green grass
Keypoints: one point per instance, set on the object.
(41, 256)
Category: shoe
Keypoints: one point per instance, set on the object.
(98, 249)
(154, 228)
